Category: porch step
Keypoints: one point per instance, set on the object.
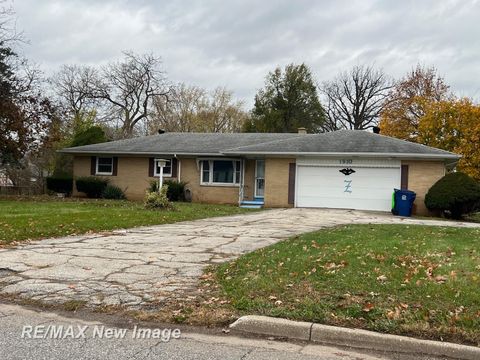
(252, 204)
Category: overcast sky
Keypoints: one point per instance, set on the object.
(234, 43)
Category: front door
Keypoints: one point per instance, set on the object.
(259, 178)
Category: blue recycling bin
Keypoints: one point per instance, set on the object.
(403, 202)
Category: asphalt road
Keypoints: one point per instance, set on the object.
(30, 334)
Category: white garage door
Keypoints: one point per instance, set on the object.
(368, 188)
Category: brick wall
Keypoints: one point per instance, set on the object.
(276, 182)
(132, 175)
(421, 176)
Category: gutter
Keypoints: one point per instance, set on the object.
(133, 153)
(453, 157)
(348, 154)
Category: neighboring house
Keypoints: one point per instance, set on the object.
(342, 169)
(4, 179)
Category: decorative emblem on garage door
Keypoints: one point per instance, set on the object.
(347, 171)
(348, 186)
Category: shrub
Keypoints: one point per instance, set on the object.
(113, 192)
(92, 186)
(60, 184)
(157, 200)
(175, 191)
(153, 186)
(455, 194)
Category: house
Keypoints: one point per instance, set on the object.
(4, 179)
(341, 169)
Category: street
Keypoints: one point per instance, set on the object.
(17, 321)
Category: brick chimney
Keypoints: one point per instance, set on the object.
(302, 130)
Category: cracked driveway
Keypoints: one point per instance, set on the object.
(144, 265)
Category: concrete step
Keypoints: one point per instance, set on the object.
(244, 206)
(253, 202)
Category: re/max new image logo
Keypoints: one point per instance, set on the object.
(53, 331)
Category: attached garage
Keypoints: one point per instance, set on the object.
(347, 183)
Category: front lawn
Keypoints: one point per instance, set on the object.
(414, 280)
(22, 219)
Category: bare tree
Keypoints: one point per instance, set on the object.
(193, 109)
(8, 30)
(354, 99)
(128, 87)
(179, 111)
(222, 113)
(72, 84)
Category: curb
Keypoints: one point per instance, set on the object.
(355, 338)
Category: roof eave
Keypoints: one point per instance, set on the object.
(349, 154)
(136, 153)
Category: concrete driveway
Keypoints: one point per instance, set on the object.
(143, 265)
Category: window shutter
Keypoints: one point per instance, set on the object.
(174, 167)
(93, 165)
(114, 166)
(291, 183)
(151, 165)
(404, 177)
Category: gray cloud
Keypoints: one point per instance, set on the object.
(235, 43)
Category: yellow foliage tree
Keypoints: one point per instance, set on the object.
(453, 125)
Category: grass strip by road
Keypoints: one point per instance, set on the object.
(408, 280)
(23, 219)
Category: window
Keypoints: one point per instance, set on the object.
(205, 171)
(220, 172)
(104, 166)
(167, 169)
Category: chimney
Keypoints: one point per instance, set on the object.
(161, 131)
(376, 130)
(302, 130)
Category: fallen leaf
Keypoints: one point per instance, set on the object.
(382, 278)
(368, 307)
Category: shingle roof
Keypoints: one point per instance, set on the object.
(342, 141)
(338, 142)
(180, 143)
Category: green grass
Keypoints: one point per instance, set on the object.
(23, 219)
(415, 280)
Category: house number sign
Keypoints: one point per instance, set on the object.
(346, 161)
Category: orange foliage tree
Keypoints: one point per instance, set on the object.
(420, 109)
(407, 100)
